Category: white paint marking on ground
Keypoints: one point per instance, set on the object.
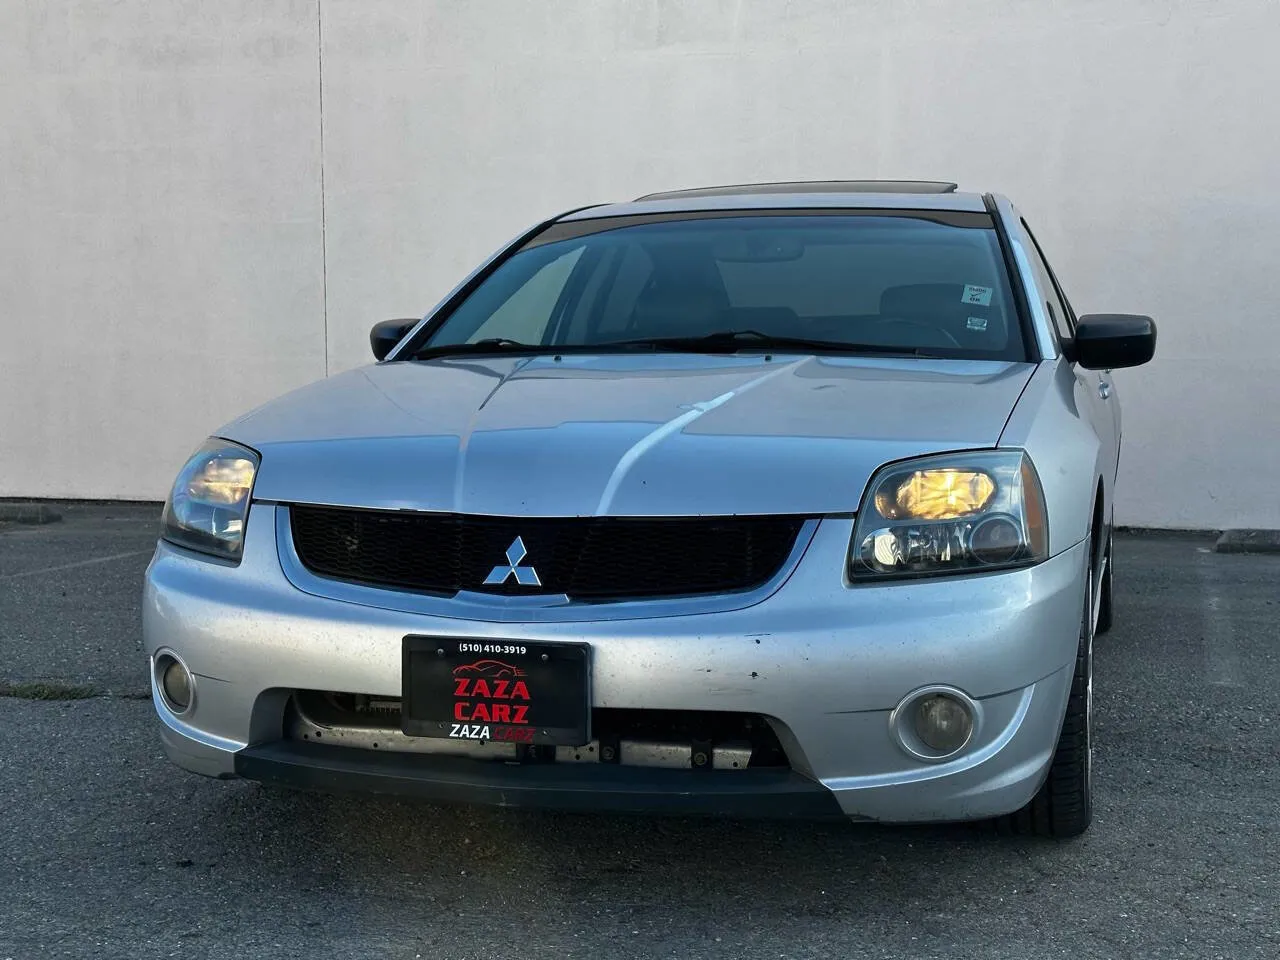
(1222, 660)
(78, 563)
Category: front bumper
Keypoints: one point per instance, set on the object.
(825, 661)
(752, 793)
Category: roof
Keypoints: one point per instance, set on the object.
(849, 194)
(811, 186)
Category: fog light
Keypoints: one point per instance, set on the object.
(175, 684)
(942, 723)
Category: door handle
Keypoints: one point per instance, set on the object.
(1104, 389)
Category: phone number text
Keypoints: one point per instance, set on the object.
(511, 648)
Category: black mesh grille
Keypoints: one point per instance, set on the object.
(596, 558)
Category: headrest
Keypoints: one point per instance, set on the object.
(672, 307)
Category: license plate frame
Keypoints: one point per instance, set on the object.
(453, 688)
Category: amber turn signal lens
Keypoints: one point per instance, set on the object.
(1033, 500)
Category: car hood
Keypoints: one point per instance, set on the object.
(620, 435)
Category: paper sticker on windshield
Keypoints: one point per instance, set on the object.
(976, 323)
(976, 296)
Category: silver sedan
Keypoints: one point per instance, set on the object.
(786, 499)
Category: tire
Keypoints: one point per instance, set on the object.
(1105, 592)
(1063, 807)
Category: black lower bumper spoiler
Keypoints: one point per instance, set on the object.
(559, 786)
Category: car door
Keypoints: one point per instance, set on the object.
(1095, 394)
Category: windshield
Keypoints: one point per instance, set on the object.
(919, 282)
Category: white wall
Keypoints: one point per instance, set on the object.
(160, 232)
(162, 237)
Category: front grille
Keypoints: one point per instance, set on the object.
(586, 558)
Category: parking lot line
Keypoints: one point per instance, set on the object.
(72, 566)
(1222, 666)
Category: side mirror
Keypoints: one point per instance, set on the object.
(385, 335)
(1105, 341)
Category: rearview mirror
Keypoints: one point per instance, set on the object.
(749, 247)
(385, 335)
(1105, 341)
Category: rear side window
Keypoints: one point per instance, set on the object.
(927, 282)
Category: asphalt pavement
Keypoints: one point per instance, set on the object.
(107, 851)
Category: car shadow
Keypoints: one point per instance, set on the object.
(576, 862)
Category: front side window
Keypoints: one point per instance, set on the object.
(1054, 300)
(920, 283)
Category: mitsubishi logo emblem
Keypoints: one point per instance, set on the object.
(525, 576)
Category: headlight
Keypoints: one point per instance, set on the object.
(948, 514)
(209, 503)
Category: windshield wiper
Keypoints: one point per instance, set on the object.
(726, 341)
(488, 345)
(729, 341)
